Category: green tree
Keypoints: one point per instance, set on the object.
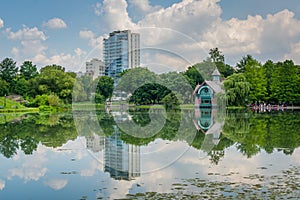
(216, 55)
(149, 93)
(4, 87)
(87, 84)
(255, 75)
(132, 79)
(51, 68)
(28, 70)
(269, 68)
(105, 86)
(22, 87)
(54, 80)
(179, 84)
(79, 93)
(205, 69)
(224, 69)
(285, 82)
(218, 59)
(193, 75)
(237, 90)
(8, 71)
(241, 66)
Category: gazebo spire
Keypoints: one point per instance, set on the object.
(216, 75)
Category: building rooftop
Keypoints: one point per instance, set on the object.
(216, 72)
(216, 86)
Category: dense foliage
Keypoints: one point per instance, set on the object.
(51, 86)
(248, 83)
(269, 83)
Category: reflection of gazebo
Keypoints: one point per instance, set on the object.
(205, 122)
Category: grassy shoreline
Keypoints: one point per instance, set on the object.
(91, 106)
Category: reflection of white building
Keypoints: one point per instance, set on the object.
(121, 116)
(95, 68)
(95, 142)
(121, 160)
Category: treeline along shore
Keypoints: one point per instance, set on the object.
(248, 83)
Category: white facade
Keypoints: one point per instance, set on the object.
(95, 68)
(121, 52)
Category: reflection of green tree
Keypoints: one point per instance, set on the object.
(254, 132)
(178, 127)
(28, 145)
(51, 131)
(140, 116)
(8, 145)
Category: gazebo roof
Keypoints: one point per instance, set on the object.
(216, 72)
(215, 86)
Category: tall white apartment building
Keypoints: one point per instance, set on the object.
(121, 52)
(95, 68)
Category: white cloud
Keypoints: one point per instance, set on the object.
(270, 38)
(31, 42)
(57, 184)
(281, 32)
(115, 16)
(32, 46)
(55, 23)
(96, 42)
(144, 5)
(79, 52)
(294, 53)
(1, 23)
(98, 9)
(69, 61)
(2, 184)
(86, 34)
(187, 16)
(26, 34)
(140, 8)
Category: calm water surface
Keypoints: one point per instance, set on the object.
(83, 155)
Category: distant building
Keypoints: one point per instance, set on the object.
(121, 52)
(205, 93)
(95, 68)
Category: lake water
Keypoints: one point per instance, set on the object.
(150, 154)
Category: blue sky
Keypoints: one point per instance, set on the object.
(70, 32)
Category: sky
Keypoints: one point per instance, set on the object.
(174, 33)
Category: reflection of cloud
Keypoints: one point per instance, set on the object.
(94, 165)
(74, 146)
(2, 184)
(28, 173)
(57, 184)
(31, 167)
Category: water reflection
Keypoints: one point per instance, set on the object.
(39, 152)
(251, 132)
(121, 160)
